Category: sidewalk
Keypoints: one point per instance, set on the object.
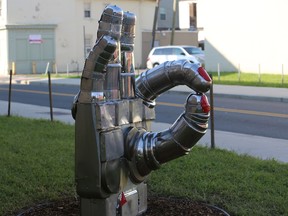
(246, 92)
(257, 146)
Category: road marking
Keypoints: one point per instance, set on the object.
(170, 104)
(251, 112)
(220, 109)
(38, 92)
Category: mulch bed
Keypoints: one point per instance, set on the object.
(164, 206)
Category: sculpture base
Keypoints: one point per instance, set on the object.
(132, 201)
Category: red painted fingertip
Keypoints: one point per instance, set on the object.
(123, 199)
(205, 104)
(204, 74)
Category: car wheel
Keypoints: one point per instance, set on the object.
(155, 64)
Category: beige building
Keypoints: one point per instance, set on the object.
(61, 32)
(246, 35)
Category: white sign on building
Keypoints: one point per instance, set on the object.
(35, 39)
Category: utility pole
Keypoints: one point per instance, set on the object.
(175, 3)
(155, 22)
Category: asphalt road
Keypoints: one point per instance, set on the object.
(263, 118)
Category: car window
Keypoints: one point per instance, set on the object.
(167, 51)
(193, 50)
(177, 51)
(158, 52)
(163, 51)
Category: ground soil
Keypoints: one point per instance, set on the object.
(164, 206)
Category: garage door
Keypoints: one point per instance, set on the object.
(31, 50)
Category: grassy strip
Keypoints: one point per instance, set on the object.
(226, 78)
(240, 184)
(37, 163)
(63, 75)
(251, 79)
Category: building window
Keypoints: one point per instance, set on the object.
(193, 15)
(87, 10)
(162, 14)
(88, 42)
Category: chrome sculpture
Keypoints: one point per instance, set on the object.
(115, 149)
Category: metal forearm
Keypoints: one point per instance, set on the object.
(148, 150)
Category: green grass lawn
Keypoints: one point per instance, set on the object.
(224, 78)
(37, 164)
(251, 79)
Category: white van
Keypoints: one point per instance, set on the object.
(161, 54)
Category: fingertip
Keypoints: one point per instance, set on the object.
(205, 104)
(203, 73)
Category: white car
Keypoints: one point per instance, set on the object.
(161, 54)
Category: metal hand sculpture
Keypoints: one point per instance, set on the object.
(114, 148)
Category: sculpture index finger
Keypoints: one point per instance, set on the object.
(102, 65)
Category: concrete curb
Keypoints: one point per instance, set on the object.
(236, 96)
